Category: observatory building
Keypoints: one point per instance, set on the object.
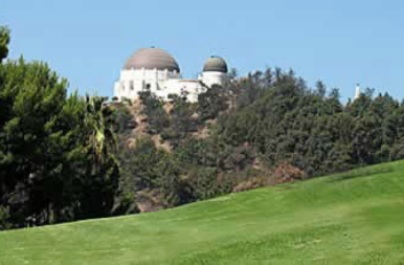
(155, 70)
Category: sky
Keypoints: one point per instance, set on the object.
(341, 42)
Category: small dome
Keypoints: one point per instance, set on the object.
(152, 58)
(215, 64)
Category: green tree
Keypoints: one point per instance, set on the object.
(211, 103)
(56, 161)
(4, 41)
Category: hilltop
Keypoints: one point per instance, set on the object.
(350, 218)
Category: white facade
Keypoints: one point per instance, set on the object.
(133, 81)
(213, 78)
(161, 81)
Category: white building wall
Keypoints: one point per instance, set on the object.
(213, 78)
(189, 88)
(164, 83)
(133, 81)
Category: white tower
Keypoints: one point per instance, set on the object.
(214, 72)
(357, 91)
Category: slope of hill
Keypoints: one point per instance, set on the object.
(351, 218)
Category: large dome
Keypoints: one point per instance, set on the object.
(215, 64)
(152, 58)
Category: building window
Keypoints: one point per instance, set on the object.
(131, 87)
(148, 86)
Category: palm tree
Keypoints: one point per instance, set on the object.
(98, 120)
(102, 174)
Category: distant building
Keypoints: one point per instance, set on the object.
(357, 91)
(155, 70)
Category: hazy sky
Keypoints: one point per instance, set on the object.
(340, 42)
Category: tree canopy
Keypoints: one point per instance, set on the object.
(56, 162)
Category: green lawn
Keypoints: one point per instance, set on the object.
(353, 218)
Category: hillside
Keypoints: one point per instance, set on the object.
(351, 218)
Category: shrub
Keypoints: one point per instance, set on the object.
(286, 172)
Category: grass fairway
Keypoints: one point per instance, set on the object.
(353, 218)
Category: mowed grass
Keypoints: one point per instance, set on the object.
(352, 218)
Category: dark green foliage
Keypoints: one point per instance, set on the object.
(267, 119)
(316, 132)
(203, 183)
(144, 167)
(122, 120)
(55, 151)
(181, 122)
(197, 152)
(4, 41)
(156, 115)
(211, 103)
